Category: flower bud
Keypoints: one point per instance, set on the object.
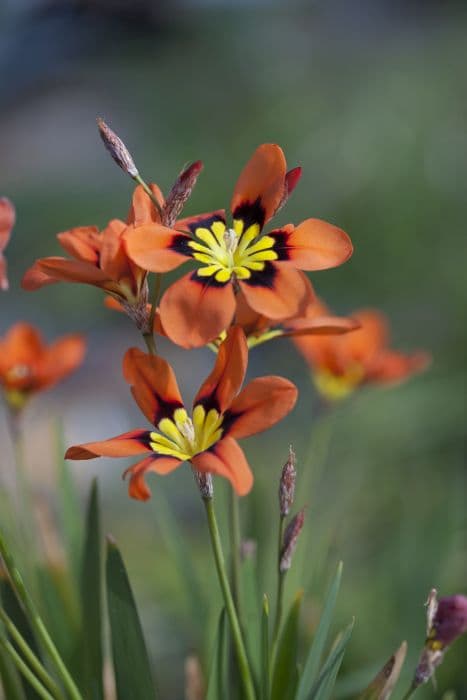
(180, 192)
(205, 485)
(117, 149)
(291, 181)
(287, 484)
(291, 534)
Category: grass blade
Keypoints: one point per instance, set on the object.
(285, 663)
(328, 674)
(10, 681)
(131, 662)
(217, 681)
(383, 684)
(310, 669)
(265, 659)
(91, 600)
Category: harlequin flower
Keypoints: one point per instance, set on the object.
(265, 267)
(341, 364)
(446, 621)
(28, 365)
(207, 439)
(7, 221)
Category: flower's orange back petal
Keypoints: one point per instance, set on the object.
(223, 384)
(227, 459)
(36, 278)
(135, 442)
(156, 248)
(153, 384)
(60, 359)
(7, 221)
(372, 336)
(21, 345)
(320, 325)
(137, 487)
(143, 209)
(82, 243)
(316, 245)
(61, 269)
(261, 404)
(113, 258)
(194, 312)
(279, 292)
(260, 187)
(391, 366)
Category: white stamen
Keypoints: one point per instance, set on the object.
(187, 430)
(230, 240)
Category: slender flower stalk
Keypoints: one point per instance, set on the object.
(24, 669)
(36, 622)
(236, 538)
(242, 659)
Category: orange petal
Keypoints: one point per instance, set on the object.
(191, 223)
(320, 325)
(135, 442)
(391, 366)
(225, 380)
(227, 459)
(261, 404)
(60, 359)
(314, 245)
(114, 261)
(250, 320)
(143, 209)
(153, 384)
(137, 487)
(260, 187)
(82, 243)
(372, 336)
(157, 248)
(194, 312)
(280, 291)
(3, 274)
(36, 278)
(61, 269)
(21, 345)
(7, 221)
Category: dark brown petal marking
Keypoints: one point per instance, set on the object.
(205, 223)
(281, 246)
(264, 278)
(250, 213)
(206, 282)
(180, 245)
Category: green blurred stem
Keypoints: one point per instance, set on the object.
(410, 692)
(26, 671)
(243, 664)
(148, 191)
(235, 545)
(36, 621)
(150, 343)
(280, 585)
(29, 656)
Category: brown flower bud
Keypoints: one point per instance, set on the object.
(287, 484)
(205, 485)
(180, 192)
(117, 149)
(291, 534)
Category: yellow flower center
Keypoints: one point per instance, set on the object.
(335, 387)
(227, 252)
(182, 437)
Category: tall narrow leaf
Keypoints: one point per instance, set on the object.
(251, 613)
(310, 669)
(324, 685)
(131, 662)
(217, 681)
(285, 663)
(383, 684)
(10, 681)
(91, 600)
(265, 658)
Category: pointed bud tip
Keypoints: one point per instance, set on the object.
(117, 148)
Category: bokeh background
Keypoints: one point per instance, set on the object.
(370, 98)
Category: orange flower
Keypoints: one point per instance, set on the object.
(199, 306)
(220, 414)
(341, 364)
(28, 365)
(7, 221)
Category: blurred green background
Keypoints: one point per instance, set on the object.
(370, 99)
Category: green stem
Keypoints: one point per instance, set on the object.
(150, 343)
(235, 554)
(149, 336)
(25, 671)
(36, 621)
(29, 656)
(149, 192)
(243, 665)
(280, 584)
(410, 692)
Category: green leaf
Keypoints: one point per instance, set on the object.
(310, 669)
(285, 663)
(217, 681)
(10, 679)
(383, 684)
(131, 662)
(324, 685)
(265, 662)
(91, 601)
(251, 613)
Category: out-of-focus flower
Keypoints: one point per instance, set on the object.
(341, 364)
(446, 621)
(266, 268)
(220, 415)
(7, 221)
(28, 365)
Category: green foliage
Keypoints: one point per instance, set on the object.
(383, 684)
(217, 686)
(284, 675)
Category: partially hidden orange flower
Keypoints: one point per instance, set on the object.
(266, 268)
(7, 221)
(28, 365)
(221, 413)
(341, 364)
